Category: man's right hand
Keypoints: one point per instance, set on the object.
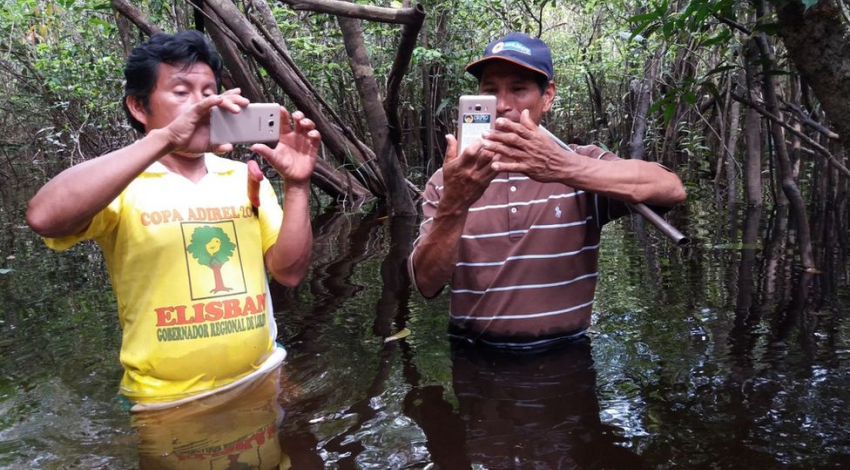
(466, 176)
(190, 131)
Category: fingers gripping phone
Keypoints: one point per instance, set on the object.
(476, 115)
(256, 123)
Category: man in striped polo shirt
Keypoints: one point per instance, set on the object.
(513, 223)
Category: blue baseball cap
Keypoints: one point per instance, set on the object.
(519, 48)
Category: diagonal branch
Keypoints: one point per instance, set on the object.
(136, 16)
(823, 151)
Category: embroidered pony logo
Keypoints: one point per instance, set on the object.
(558, 211)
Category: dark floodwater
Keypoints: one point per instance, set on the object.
(719, 356)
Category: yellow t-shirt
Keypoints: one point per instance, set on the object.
(186, 264)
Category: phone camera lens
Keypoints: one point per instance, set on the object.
(271, 122)
(478, 107)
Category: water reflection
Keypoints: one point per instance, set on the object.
(237, 429)
(534, 411)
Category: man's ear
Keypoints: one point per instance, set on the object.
(549, 95)
(137, 109)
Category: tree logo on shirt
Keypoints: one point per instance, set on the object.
(212, 248)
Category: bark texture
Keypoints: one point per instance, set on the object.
(818, 42)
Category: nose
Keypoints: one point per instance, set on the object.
(503, 106)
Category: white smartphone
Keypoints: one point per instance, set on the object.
(256, 123)
(476, 115)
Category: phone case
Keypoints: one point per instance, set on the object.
(476, 115)
(256, 123)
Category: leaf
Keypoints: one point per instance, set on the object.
(640, 28)
(669, 110)
(6, 270)
(401, 334)
(689, 97)
(646, 17)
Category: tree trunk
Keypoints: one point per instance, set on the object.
(233, 60)
(266, 18)
(752, 130)
(789, 186)
(367, 87)
(731, 148)
(818, 42)
(643, 92)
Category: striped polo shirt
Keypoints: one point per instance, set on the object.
(527, 259)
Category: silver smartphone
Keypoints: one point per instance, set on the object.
(256, 123)
(476, 115)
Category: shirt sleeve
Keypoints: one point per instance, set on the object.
(102, 225)
(270, 215)
(430, 201)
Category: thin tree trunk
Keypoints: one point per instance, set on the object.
(789, 186)
(266, 18)
(643, 91)
(233, 60)
(752, 129)
(367, 87)
(731, 148)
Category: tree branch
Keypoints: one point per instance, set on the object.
(352, 10)
(823, 151)
(805, 119)
(136, 16)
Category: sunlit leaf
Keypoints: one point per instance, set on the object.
(401, 334)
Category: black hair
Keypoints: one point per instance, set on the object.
(542, 82)
(184, 48)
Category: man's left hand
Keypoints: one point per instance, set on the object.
(294, 157)
(521, 147)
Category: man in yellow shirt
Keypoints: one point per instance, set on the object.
(186, 249)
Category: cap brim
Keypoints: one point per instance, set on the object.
(476, 68)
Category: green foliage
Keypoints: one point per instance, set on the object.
(200, 245)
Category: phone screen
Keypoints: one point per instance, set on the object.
(476, 115)
(474, 126)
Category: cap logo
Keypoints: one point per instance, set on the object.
(511, 46)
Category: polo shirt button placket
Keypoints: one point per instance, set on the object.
(513, 216)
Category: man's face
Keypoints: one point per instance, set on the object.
(516, 89)
(177, 88)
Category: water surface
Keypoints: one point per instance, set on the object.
(722, 356)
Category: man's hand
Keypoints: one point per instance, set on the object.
(523, 148)
(294, 157)
(466, 176)
(190, 131)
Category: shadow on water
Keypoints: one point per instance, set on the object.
(722, 355)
